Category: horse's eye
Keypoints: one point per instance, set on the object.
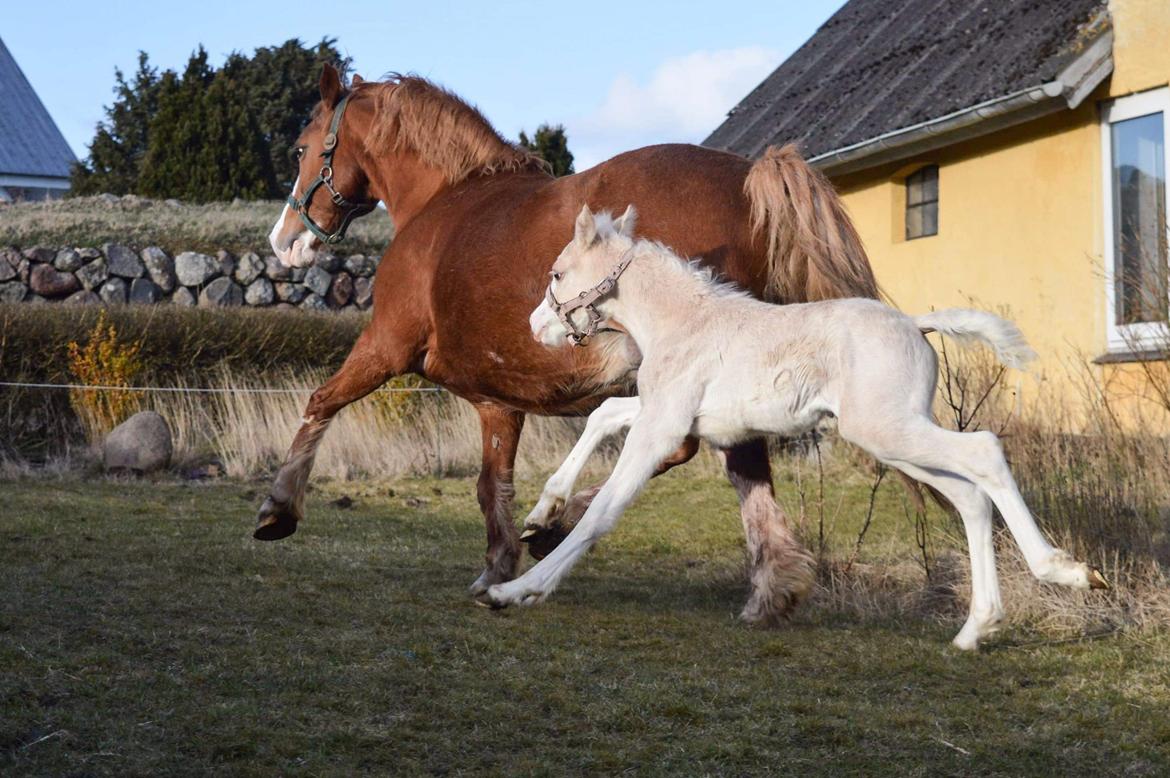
(298, 152)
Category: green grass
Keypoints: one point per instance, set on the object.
(142, 631)
(140, 222)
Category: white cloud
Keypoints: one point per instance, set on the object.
(685, 99)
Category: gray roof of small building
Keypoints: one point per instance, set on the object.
(30, 143)
(878, 66)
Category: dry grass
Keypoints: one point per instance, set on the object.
(140, 222)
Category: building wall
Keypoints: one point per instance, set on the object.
(1021, 223)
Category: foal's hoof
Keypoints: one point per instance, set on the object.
(1096, 580)
(274, 522)
(542, 540)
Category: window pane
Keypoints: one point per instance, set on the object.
(1139, 219)
(930, 219)
(913, 222)
(930, 183)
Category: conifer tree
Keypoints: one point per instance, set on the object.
(552, 145)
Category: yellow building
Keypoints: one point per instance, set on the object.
(1006, 154)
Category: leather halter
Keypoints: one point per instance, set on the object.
(587, 300)
(325, 178)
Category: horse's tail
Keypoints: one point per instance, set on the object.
(1004, 337)
(814, 252)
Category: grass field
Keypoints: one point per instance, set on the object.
(175, 227)
(143, 632)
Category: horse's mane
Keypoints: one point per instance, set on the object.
(445, 131)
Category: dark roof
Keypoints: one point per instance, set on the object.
(878, 66)
(30, 143)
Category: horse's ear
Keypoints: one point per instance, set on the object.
(357, 80)
(585, 230)
(624, 224)
(330, 85)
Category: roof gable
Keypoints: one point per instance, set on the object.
(30, 143)
(878, 66)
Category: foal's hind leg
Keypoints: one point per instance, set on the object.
(974, 506)
(364, 371)
(782, 571)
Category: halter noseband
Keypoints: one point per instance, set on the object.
(325, 179)
(587, 300)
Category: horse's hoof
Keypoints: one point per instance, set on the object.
(1096, 580)
(274, 522)
(542, 540)
(484, 600)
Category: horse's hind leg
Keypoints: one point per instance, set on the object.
(363, 372)
(501, 429)
(782, 571)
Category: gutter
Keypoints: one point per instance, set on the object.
(1067, 91)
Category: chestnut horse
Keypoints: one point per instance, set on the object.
(479, 222)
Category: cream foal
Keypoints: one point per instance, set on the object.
(725, 367)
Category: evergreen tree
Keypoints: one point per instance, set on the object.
(119, 144)
(171, 166)
(552, 145)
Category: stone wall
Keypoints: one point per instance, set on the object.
(116, 274)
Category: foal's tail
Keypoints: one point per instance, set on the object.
(814, 252)
(1000, 334)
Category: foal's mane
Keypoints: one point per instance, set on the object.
(691, 269)
(444, 130)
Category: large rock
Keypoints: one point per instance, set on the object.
(328, 261)
(141, 444)
(143, 291)
(160, 267)
(360, 265)
(363, 292)
(277, 270)
(194, 269)
(221, 293)
(314, 302)
(49, 282)
(341, 290)
(227, 262)
(289, 293)
(13, 292)
(260, 292)
(93, 274)
(67, 260)
(7, 271)
(318, 279)
(249, 267)
(123, 262)
(40, 254)
(183, 297)
(84, 297)
(113, 291)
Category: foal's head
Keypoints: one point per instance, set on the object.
(598, 243)
(331, 188)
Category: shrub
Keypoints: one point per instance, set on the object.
(104, 361)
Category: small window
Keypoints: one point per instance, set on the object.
(922, 203)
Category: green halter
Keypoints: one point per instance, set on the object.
(325, 179)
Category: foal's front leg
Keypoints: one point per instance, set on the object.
(648, 443)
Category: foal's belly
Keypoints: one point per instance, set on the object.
(726, 422)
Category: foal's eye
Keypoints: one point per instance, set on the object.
(556, 275)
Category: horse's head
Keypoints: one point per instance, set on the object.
(331, 187)
(583, 279)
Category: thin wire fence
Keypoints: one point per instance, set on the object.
(204, 389)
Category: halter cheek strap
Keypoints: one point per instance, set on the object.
(588, 300)
(325, 179)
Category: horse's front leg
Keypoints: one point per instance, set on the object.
(501, 429)
(366, 368)
(651, 439)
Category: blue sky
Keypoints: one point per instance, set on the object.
(617, 74)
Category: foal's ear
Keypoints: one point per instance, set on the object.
(330, 85)
(585, 230)
(624, 224)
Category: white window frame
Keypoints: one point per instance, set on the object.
(1145, 335)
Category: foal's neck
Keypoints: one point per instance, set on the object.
(657, 299)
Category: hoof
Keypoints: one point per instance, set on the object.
(542, 540)
(1096, 580)
(274, 522)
